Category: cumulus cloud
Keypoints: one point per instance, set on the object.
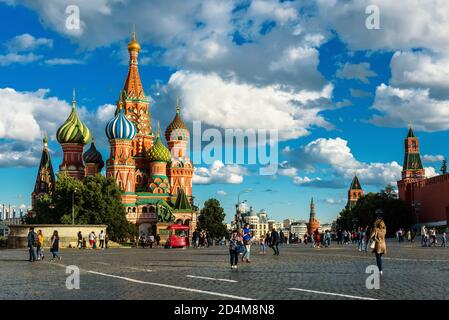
(358, 71)
(228, 103)
(221, 193)
(14, 154)
(26, 42)
(217, 172)
(398, 107)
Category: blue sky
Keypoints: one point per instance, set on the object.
(341, 95)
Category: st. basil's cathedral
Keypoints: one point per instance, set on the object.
(156, 181)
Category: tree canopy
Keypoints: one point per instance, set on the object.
(96, 201)
(211, 219)
(364, 212)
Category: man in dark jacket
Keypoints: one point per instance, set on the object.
(275, 241)
(32, 240)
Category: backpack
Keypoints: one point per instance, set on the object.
(233, 244)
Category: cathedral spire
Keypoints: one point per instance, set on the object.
(45, 180)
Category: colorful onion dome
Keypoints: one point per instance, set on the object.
(93, 156)
(73, 130)
(133, 45)
(158, 151)
(120, 127)
(177, 128)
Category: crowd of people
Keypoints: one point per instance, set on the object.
(149, 240)
(201, 239)
(35, 243)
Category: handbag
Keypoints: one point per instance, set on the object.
(372, 244)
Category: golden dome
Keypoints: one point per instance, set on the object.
(133, 45)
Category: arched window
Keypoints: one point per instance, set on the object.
(144, 210)
(134, 210)
(152, 209)
(139, 179)
(129, 209)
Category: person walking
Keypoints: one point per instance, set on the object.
(424, 236)
(151, 241)
(106, 239)
(54, 247)
(158, 239)
(317, 237)
(275, 241)
(80, 240)
(32, 241)
(101, 238)
(40, 245)
(247, 243)
(433, 237)
(142, 240)
(380, 246)
(234, 244)
(262, 244)
(443, 239)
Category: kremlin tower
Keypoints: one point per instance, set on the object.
(355, 192)
(314, 223)
(72, 136)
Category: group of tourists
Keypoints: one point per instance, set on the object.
(36, 245)
(242, 239)
(429, 237)
(149, 240)
(201, 239)
(103, 238)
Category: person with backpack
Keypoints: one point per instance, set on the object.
(32, 242)
(80, 240)
(54, 247)
(275, 242)
(234, 244)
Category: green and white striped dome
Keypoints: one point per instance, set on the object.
(73, 130)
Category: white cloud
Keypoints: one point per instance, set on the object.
(430, 172)
(433, 158)
(30, 114)
(26, 42)
(13, 154)
(228, 103)
(359, 71)
(221, 193)
(11, 58)
(304, 180)
(217, 172)
(398, 107)
(403, 24)
(64, 61)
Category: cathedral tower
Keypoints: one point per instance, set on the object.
(45, 180)
(136, 108)
(158, 156)
(72, 136)
(355, 192)
(93, 160)
(180, 171)
(121, 165)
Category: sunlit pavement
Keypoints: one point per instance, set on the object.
(300, 272)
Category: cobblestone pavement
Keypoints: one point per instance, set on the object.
(338, 272)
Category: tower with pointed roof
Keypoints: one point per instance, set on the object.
(136, 108)
(412, 168)
(121, 165)
(314, 223)
(180, 170)
(45, 180)
(158, 156)
(355, 192)
(73, 136)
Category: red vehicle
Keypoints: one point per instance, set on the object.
(178, 237)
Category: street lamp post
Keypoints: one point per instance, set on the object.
(73, 206)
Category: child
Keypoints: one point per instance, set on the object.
(234, 244)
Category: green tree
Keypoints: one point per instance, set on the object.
(211, 219)
(97, 201)
(394, 212)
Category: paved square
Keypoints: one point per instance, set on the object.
(300, 272)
